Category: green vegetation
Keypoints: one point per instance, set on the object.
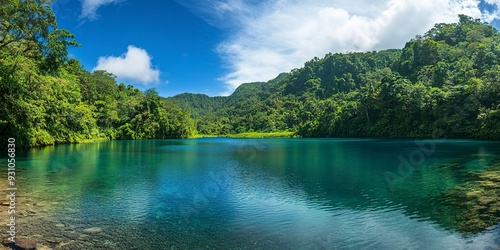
(47, 97)
(444, 84)
(282, 134)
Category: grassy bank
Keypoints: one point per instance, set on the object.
(281, 134)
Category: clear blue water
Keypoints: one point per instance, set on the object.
(221, 193)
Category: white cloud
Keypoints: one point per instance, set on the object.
(89, 7)
(134, 65)
(491, 15)
(279, 35)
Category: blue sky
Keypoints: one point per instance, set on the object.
(213, 46)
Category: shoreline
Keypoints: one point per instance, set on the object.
(251, 135)
(27, 207)
(262, 135)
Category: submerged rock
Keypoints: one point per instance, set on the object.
(6, 242)
(54, 240)
(71, 235)
(492, 176)
(473, 194)
(478, 201)
(25, 244)
(488, 184)
(71, 211)
(473, 225)
(62, 245)
(92, 230)
(485, 200)
(478, 209)
(41, 203)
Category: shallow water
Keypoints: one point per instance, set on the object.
(222, 193)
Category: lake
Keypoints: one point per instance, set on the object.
(221, 193)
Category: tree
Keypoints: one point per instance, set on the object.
(29, 28)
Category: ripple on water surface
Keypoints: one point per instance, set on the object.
(267, 194)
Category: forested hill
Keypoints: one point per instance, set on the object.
(48, 98)
(445, 83)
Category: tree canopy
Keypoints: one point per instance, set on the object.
(444, 83)
(47, 97)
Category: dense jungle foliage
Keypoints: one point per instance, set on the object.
(444, 84)
(48, 98)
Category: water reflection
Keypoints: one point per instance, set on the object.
(272, 193)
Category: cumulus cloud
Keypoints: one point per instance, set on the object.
(134, 65)
(89, 7)
(493, 13)
(278, 35)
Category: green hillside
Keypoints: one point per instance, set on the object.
(442, 84)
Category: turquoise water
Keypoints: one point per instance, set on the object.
(221, 193)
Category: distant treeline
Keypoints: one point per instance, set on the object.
(445, 83)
